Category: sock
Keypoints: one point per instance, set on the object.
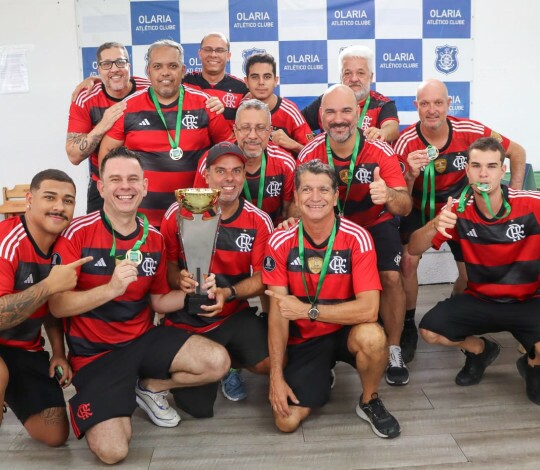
(409, 314)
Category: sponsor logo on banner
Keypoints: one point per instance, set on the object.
(90, 65)
(350, 20)
(459, 93)
(399, 60)
(303, 62)
(152, 21)
(446, 59)
(247, 53)
(447, 19)
(253, 21)
(191, 58)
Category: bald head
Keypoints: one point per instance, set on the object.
(339, 113)
(433, 104)
(432, 85)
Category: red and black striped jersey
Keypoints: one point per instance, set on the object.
(380, 110)
(288, 117)
(502, 256)
(230, 91)
(117, 322)
(142, 130)
(240, 246)
(352, 270)
(88, 109)
(371, 154)
(278, 181)
(22, 265)
(450, 177)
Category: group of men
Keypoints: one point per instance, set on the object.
(337, 278)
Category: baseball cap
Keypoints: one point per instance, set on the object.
(221, 149)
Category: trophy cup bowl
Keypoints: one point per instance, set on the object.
(197, 235)
(197, 200)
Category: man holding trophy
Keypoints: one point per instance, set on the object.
(238, 242)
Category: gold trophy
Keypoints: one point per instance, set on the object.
(197, 233)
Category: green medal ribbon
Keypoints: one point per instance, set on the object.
(468, 191)
(247, 192)
(326, 260)
(174, 143)
(138, 243)
(429, 181)
(354, 156)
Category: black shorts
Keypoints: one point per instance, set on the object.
(245, 336)
(309, 364)
(387, 245)
(413, 222)
(464, 315)
(106, 386)
(30, 390)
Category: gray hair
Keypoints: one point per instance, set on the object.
(317, 168)
(356, 52)
(254, 104)
(165, 43)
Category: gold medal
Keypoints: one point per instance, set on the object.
(135, 256)
(432, 152)
(315, 264)
(176, 154)
(344, 175)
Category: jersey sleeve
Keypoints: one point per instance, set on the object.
(218, 128)
(365, 273)
(392, 171)
(79, 119)
(311, 114)
(169, 230)
(259, 244)
(388, 113)
(275, 265)
(7, 278)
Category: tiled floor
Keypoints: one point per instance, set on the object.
(488, 426)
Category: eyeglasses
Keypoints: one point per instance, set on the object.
(260, 130)
(107, 64)
(217, 50)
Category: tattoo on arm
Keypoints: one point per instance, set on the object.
(84, 144)
(16, 308)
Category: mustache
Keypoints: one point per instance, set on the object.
(58, 214)
(339, 124)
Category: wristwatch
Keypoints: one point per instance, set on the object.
(313, 312)
(232, 296)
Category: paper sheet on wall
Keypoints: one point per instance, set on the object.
(14, 69)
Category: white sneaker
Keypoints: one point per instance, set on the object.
(396, 371)
(157, 407)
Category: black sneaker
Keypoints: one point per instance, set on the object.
(396, 371)
(532, 378)
(382, 422)
(476, 364)
(409, 340)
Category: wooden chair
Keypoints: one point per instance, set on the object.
(14, 200)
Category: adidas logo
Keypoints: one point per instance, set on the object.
(101, 263)
(296, 262)
(472, 233)
(144, 122)
(29, 280)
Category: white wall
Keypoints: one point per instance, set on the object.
(33, 125)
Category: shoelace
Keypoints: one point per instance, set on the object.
(395, 359)
(376, 407)
(160, 398)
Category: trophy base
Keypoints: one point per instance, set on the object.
(193, 302)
